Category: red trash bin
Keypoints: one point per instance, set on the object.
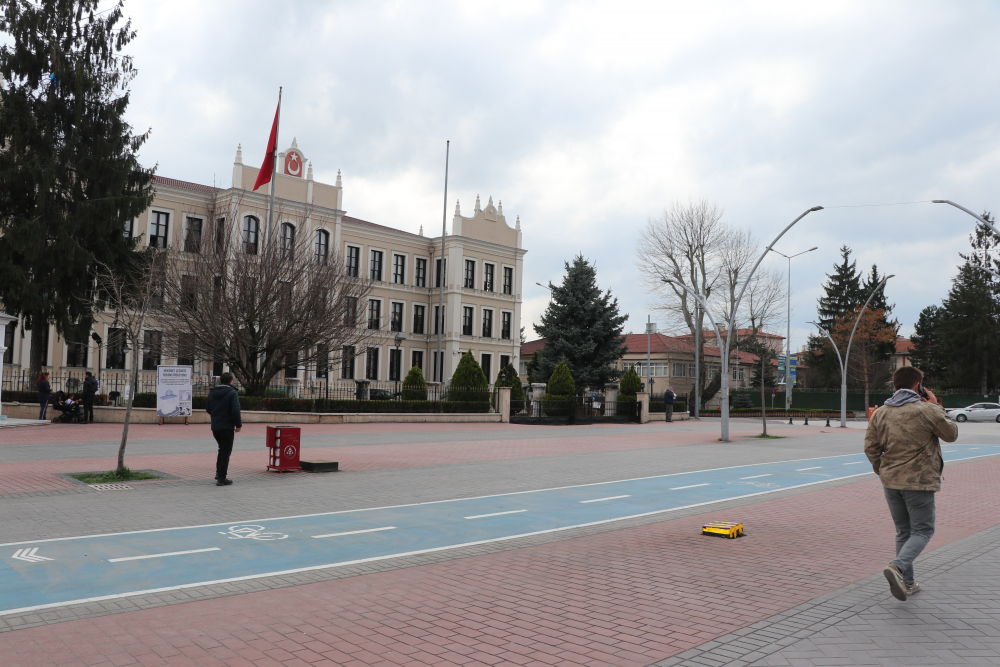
(284, 445)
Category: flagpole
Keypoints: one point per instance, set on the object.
(274, 171)
(443, 273)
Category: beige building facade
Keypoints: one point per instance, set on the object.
(482, 276)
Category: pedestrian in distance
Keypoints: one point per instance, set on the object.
(224, 405)
(90, 386)
(44, 393)
(668, 398)
(903, 445)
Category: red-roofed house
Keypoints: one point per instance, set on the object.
(904, 348)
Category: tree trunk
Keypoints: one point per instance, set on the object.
(39, 325)
(983, 366)
(128, 405)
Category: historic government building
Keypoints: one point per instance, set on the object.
(482, 276)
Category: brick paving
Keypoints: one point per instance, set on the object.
(634, 596)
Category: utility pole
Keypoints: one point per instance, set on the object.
(442, 273)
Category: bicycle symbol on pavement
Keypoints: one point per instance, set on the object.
(250, 532)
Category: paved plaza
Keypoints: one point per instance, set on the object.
(488, 544)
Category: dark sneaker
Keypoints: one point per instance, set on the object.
(227, 482)
(912, 588)
(896, 584)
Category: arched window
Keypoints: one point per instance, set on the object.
(287, 240)
(322, 250)
(251, 235)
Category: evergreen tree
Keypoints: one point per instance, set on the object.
(559, 399)
(414, 387)
(70, 179)
(842, 290)
(532, 369)
(929, 347)
(630, 384)
(741, 401)
(468, 382)
(507, 377)
(582, 327)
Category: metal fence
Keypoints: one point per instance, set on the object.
(574, 410)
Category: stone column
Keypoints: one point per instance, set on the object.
(611, 392)
(643, 398)
(361, 394)
(537, 391)
(503, 404)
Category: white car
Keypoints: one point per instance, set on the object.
(979, 412)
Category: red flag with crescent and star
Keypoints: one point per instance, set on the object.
(267, 167)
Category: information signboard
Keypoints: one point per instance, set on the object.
(173, 391)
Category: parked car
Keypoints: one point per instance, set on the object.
(979, 412)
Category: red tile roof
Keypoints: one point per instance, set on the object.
(529, 348)
(186, 185)
(903, 345)
(660, 344)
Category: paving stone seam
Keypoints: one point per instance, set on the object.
(166, 598)
(835, 607)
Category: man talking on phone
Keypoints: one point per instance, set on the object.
(903, 447)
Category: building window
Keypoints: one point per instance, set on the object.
(395, 364)
(439, 279)
(505, 319)
(287, 240)
(321, 251)
(291, 365)
(438, 371)
(158, 229)
(347, 362)
(739, 374)
(470, 273)
(504, 362)
(114, 352)
(185, 349)
(371, 364)
(487, 360)
(189, 293)
(417, 359)
(8, 342)
(691, 371)
(418, 319)
(128, 229)
(374, 314)
(353, 261)
(487, 324)
(322, 361)
(151, 346)
(350, 311)
(45, 346)
(508, 280)
(376, 265)
(251, 235)
(192, 242)
(438, 320)
(396, 317)
(220, 236)
(467, 315)
(399, 269)
(420, 279)
(679, 371)
(488, 270)
(76, 353)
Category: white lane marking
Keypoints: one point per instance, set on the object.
(813, 468)
(853, 463)
(30, 555)
(597, 500)
(756, 476)
(678, 488)
(355, 532)
(172, 553)
(483, 516)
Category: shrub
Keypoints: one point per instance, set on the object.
(561, 383)
(468, 383)
(741, 400)
(558, 406)
(507, 377)
(12, 396)
(414, 387)
(630, 384)
(145, 399)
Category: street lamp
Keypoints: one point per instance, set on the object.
(981, 221)
(400, 337)
(847, 354)
(788, 333)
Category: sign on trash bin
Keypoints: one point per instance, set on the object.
(871, 411)
(284, 445)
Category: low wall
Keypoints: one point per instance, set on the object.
(111, 415)
(662, 416)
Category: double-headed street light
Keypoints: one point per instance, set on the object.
(847, 354)
(788, 339)
(982, 221)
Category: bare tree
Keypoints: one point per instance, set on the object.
(762, 306)
(132, 293)
(265, 302)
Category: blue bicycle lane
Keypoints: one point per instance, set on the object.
(48, 573)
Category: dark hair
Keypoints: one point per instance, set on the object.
(226, 378)
(88, 373)
(906, 377)
(41, 376)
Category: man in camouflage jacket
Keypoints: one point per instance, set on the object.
(903, 447)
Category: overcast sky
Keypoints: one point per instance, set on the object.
(587, 118)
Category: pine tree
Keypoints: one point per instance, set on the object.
(507, 377)
(842, 289)
(559, 398)
(414, 387)
(630, 384)
(70, 179)
(468, 382)
(929, 347)
(970, 322)
(582, 327)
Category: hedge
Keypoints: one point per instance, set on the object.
(661, 406)
(12, 396)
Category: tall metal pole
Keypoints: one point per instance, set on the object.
(983, 222)
(788, 333)
(442, 273)
(274, 171)
(649, 367)
(697, 364)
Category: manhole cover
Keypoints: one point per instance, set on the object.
(110, 487)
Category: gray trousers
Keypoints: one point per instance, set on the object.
(670, 411)
(913, 514)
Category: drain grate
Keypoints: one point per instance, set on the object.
(110, 487)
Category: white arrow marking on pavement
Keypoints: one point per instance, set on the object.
(483, 516)
(172, 553)
(597, 500)
(678, 488)
(756, 476)
(355, 532)
(30, 555)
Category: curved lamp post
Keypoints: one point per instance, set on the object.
(724, 388)
(847, 354)
(788, 333)
(981, 221)
(704, 306)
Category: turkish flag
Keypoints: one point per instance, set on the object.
(272, 147)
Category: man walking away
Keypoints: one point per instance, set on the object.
(903, 447)
(668, 398)
(89, 390)
(224, 406)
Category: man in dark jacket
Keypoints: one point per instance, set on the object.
(89, 390)
(224, 406)
(668, 399)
